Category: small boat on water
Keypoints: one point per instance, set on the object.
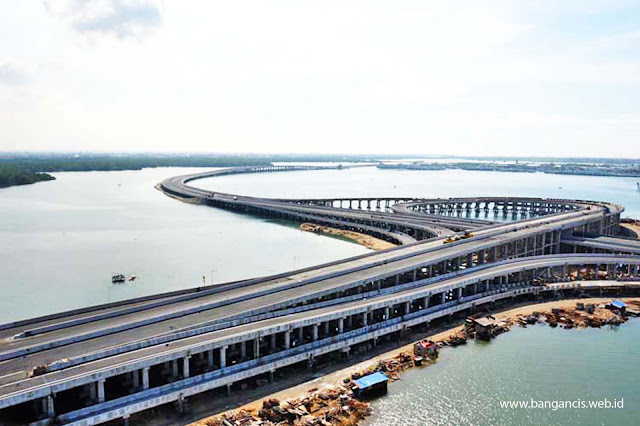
(132, 278)
(117, 278)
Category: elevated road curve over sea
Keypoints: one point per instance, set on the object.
(113, 361)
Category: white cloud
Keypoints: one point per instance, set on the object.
(425, 77)
(124, 18)
(11, 75)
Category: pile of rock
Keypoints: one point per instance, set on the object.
(328, 407)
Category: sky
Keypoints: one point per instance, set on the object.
(513, 78)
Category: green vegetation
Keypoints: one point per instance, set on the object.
(12, 176)
(24, 168)
(95, 162)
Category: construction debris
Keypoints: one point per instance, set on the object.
(583, 316)
(326, 407)
(336, 405)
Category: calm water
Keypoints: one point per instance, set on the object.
(61, 240)
(467, 383)
(371, 181)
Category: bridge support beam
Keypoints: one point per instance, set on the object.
(185, 367)
(101, 395)
(135, 376)
(174, 369)
(223, 356)
(256, 348)
(210, 359)
(50, 408)
(145, 378)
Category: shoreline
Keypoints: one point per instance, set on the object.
(335, 380)
(355, 237)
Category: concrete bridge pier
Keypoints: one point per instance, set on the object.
(174, 369)
(256, 348)
(101, 394)
(287, 339)
(243, 349)
(145, 378)
(48, 407)
(223, 356)
(135, 379)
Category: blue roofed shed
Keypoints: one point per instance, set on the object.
(372, 384)
(618, 305)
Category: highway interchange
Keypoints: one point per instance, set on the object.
(120, 359)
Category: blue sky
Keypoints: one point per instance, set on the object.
(412, 77)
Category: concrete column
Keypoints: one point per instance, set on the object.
(387, 313)
(93, 391)
(243, 349)
(459, 291)
(101, 396)
(272, 341)
(174, 368)
(425, 302)
(340, 325)
(185, 366)
(136, 379)
(469, 260)
(325, 328)
(301, 334)
(364, 319)
(415, 275)
(443, 297)
(210, 358)
(223, 356)
(51, 412)
(612, 274)
(398, 279)
(407, 308)
(145, 378)
(287, 339)
(314, 332)
(256, 348)
(481, 257)
(350, 321)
